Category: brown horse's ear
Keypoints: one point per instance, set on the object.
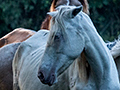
(74, 11)
(52, 13)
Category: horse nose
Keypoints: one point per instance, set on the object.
(49, 79)
(41, 76)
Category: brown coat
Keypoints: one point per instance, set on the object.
(17, 35)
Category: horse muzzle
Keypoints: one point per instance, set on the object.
(47, 79)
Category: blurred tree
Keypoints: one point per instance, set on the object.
(22, 13)
(105, 15)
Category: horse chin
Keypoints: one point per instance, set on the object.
(53, 81)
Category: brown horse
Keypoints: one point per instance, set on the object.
(17, 35)
(56, 3)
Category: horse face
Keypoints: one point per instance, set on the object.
(64, 45)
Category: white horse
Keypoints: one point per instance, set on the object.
(71, 34)
(26, 63)
(25, 67)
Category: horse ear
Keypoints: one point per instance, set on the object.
(75, 11)
(52, 13)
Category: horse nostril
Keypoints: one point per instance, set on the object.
(41, 76)
(52, 80)
(53, 75)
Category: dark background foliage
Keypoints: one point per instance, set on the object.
(105, 15)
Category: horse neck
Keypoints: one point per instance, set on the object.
(98, 56)
(96, 51)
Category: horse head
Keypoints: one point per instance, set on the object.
(65, 43)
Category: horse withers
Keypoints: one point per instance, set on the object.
(72, 33)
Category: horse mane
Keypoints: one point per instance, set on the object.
(46, 23)
(56, 3)
(53, 5)
(83, 67)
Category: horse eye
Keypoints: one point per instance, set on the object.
(57, 37)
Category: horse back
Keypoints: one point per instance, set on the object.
(17, 35)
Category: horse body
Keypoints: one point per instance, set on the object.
(62, 50)
(26, 62)
(17, 35)
(6, 56)
(7, 52)
(71, 78)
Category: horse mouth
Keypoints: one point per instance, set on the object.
(49, 81)
(50, 84)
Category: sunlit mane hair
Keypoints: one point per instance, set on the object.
(56, 19)
(58, 16)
